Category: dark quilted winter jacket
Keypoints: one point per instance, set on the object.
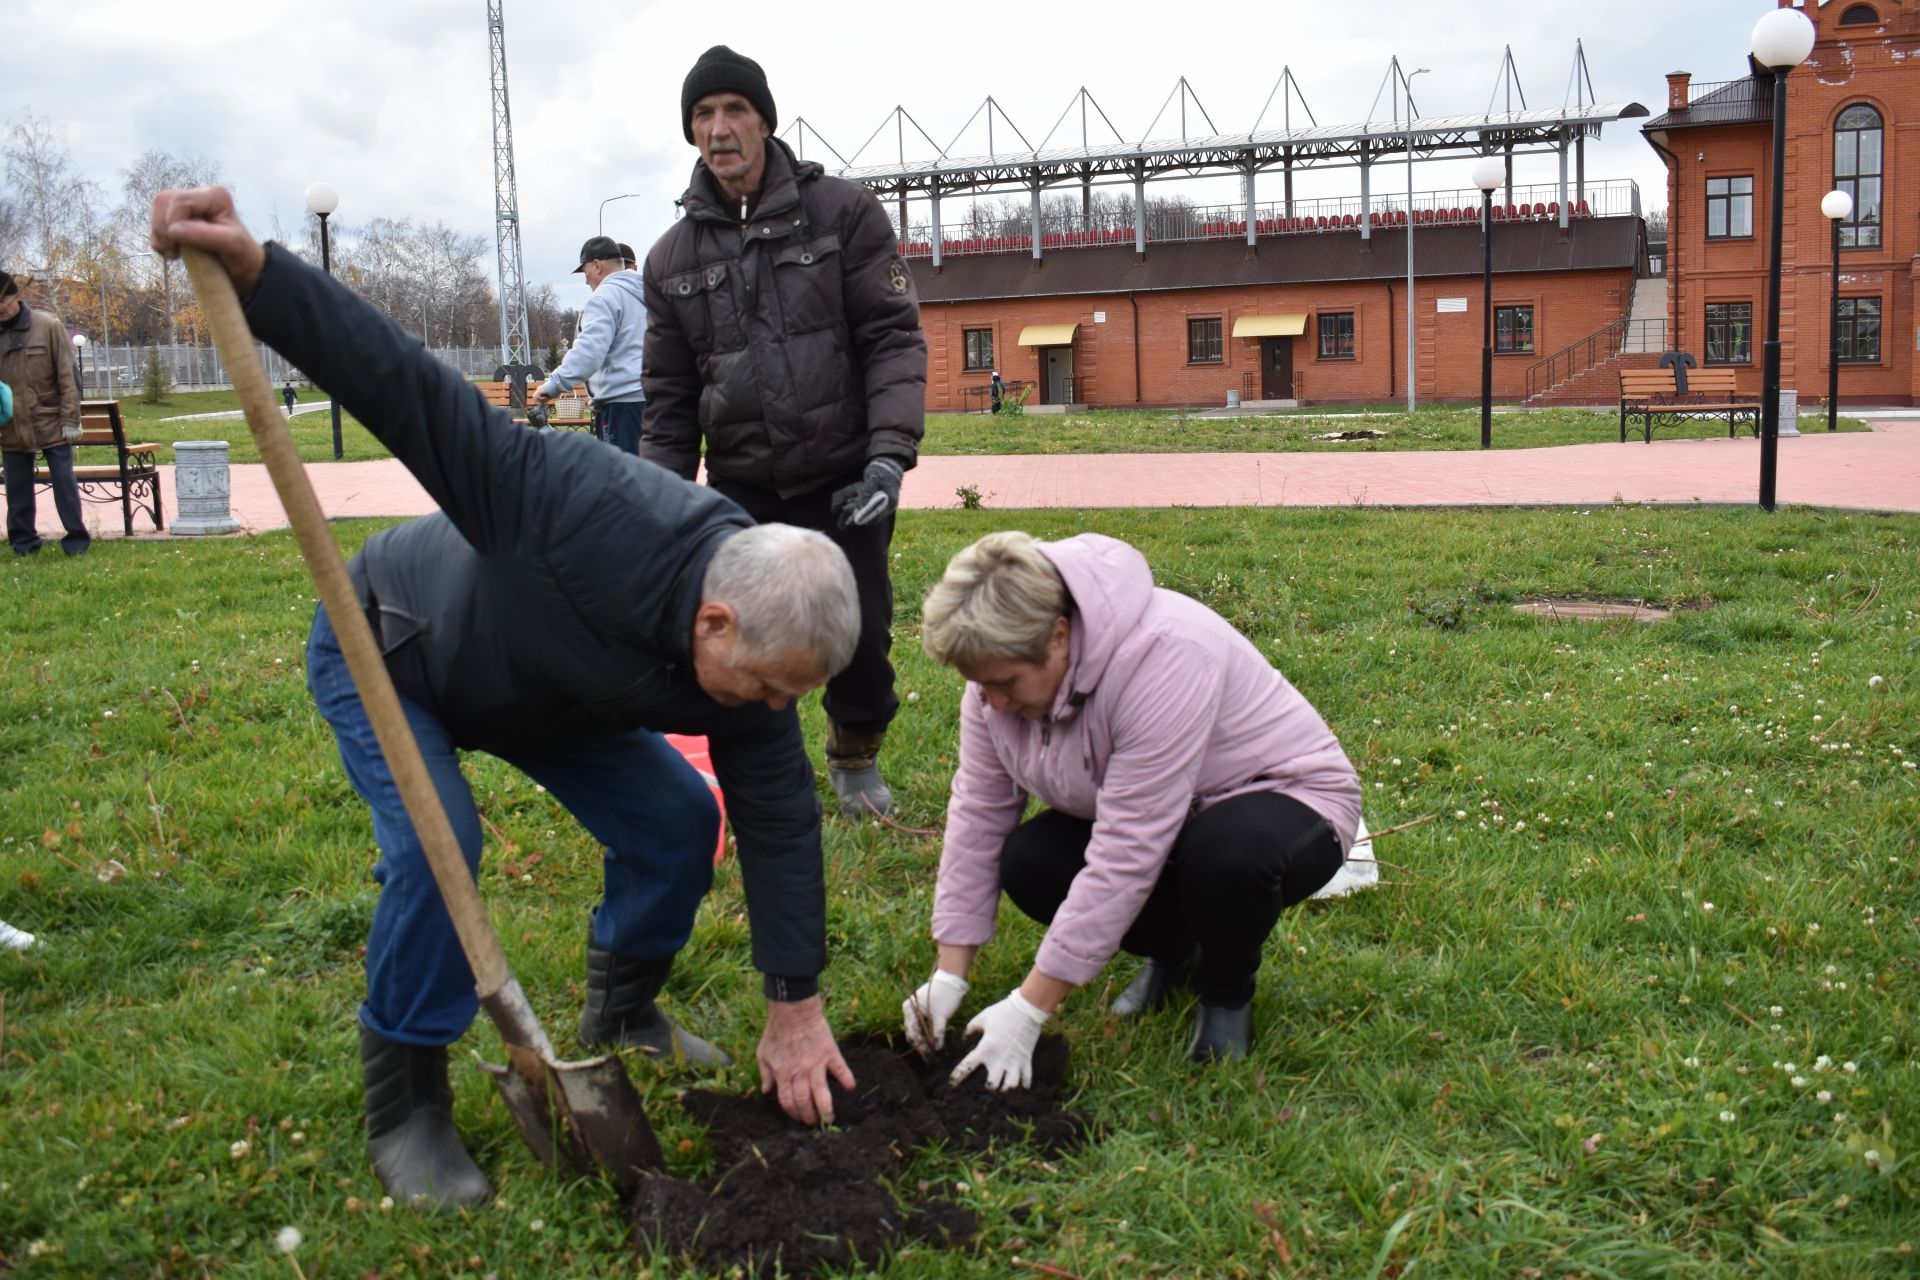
(791, 342)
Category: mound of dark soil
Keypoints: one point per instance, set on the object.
(810, 1199)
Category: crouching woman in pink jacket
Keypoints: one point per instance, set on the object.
(1192, 794)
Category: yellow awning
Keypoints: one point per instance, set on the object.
(1290, 326)
(1047, 335)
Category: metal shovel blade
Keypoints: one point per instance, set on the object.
(579, 1116)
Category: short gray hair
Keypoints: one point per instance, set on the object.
(790, 590)
(997, 600)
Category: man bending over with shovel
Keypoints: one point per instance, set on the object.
(508, 628)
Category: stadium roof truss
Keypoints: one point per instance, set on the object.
(1507, 132)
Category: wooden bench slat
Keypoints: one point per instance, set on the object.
(132, 481)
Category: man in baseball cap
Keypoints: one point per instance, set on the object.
(613, 330)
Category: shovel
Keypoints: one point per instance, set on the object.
(580, 1116)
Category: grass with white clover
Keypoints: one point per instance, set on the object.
(1536, 1051)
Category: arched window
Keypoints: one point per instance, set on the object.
(1856, 171)
(1860, 15)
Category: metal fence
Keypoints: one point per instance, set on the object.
(121, 371)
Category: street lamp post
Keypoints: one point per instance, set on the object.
(1489, 172)
(631, 195)
(1838, 207)
(322, 200)
(1781, 41)
(1407, 84)
(80, 363)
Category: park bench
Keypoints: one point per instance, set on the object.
(132, 479)
(1653, 396)
(571, 411)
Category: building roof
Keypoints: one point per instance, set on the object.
(1748, 101)
(1591, 245)
(1524, 131)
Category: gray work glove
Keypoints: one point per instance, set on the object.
(877, 493)
(71, 431)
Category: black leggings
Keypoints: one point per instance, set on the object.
(1234, 868)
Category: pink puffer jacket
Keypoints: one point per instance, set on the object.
(1165, 710)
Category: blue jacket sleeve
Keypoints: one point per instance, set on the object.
(487, 473)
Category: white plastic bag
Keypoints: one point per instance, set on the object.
(1358, 872)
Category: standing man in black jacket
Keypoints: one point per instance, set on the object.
(508, 629)
(783, 327)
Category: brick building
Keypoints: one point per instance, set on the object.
(1318, 316)
(1853, 123)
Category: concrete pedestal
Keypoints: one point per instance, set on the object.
(1789, 412)
(202, 487)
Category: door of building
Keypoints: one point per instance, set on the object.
(1276, 368)
(1059, 377)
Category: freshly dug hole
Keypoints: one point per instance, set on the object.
(810, 1199)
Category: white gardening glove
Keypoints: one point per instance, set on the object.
(927, 1011)
(71, 432)
(1008, 1032)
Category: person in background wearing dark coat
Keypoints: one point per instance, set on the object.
(783, 327)
(509, 629)
(286, 393)
(36, 360)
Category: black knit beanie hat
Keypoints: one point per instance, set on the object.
(721, 70)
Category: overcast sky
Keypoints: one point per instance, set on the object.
(388, 99)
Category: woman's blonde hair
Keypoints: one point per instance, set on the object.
(997, 600)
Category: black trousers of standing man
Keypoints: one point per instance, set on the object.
(22, 532)
(861, 698)
(1234, 868)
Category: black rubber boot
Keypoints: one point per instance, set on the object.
(1157, 983)
(1221, 1035)
(854, 769)
(416, 1150)
(621, 1012)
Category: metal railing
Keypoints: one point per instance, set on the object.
(1624, 335)
(186, 367)
(1452, 206)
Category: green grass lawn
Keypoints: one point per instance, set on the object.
(312, 430)
(1292, 431)
(1107, 431)
(1640, 1001)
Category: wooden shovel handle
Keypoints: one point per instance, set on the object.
(221, 306)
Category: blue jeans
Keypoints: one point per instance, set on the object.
(647, 806)
(620, 422)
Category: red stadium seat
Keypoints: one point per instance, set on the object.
(1539, 210)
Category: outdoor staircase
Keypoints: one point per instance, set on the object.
(1589, 374)
(1599, 385)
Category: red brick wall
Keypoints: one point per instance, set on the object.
(1849, 65)
(1567, 307)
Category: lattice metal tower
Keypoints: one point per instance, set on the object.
(514, 345)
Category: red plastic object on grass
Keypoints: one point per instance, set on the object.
(694, 751)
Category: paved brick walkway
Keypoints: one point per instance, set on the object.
(1877, 471)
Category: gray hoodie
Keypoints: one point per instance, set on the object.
(612, 329)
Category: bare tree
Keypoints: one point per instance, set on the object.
(12, 231)
(149, 175)
(57, 208)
